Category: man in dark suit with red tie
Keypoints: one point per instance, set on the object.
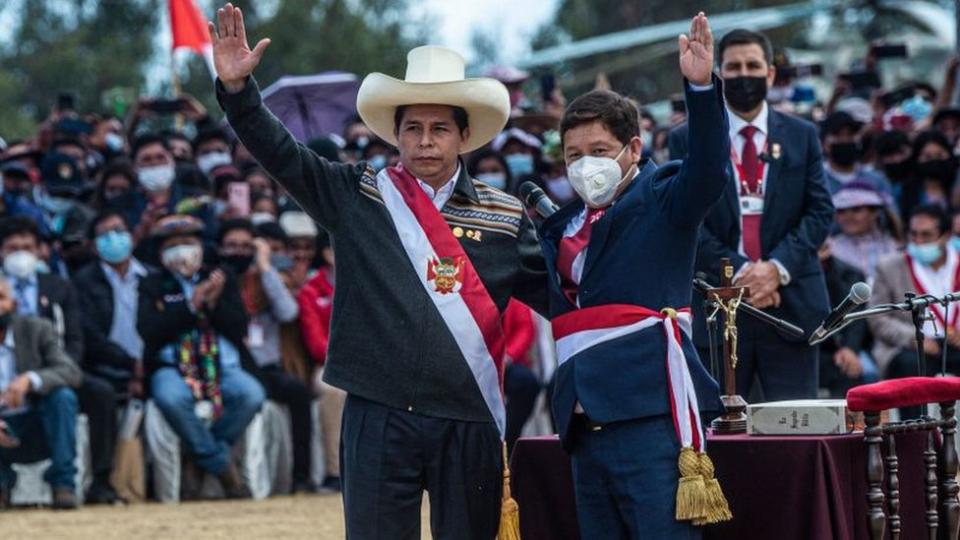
(770, 222)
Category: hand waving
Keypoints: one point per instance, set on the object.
(696, 52)
(232, 56)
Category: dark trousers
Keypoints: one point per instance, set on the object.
(284, 388)
(388, 457)
(48, 429)
(904, 364)
(785, 369)
(98, 400)
(521, 388)
(625, 476)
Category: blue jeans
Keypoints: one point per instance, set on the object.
(242, 397)
(47, 430)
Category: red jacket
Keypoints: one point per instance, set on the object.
(519, 331)
(316, 305)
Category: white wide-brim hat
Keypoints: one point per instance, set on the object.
(435, 76)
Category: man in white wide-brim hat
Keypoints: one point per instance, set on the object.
(427, 259)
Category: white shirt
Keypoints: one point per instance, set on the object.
(8, 370)
(737, 140)
(123, 328)
(442, 195)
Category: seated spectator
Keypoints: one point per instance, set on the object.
(933, 172)
(268, 304)
(302, 234)
(893, 160)
(522, 152)
(845, 360)
(520, 386)
(116, 186)
(490, 168)
(198, 369)
(263, 209)
(316, 307)
(38, 409)
(51, 297)
(864, 238)
(18, 193)
(108, 291)
(211, 149)
(841, 140)
(928, 267)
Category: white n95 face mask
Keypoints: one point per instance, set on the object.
(596, 179)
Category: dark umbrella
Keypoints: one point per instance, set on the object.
(313, 105)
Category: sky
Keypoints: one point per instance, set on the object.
(515, 20)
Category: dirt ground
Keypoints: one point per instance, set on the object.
(287, 518)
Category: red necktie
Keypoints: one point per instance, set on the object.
(751, 171)
(570, 247)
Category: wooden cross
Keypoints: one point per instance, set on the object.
(728, 298)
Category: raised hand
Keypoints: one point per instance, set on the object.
(696, 52)
(232, 57)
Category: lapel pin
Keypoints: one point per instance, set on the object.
(775, 150)
(458, 232)
(43, 301)
(473, 235)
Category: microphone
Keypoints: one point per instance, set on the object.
(859, 293)
(535, 198)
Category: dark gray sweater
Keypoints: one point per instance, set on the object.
(388, 342)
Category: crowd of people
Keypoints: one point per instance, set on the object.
(144, 263)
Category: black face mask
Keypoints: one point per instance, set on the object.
(744, 94)
(844, 154)
(5, 320)
(238, 263)
(897, 170)
(940, 169)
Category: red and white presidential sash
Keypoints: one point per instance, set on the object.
(920, 280)
(451, 281)
(582, 329)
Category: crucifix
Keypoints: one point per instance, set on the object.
(727, 298)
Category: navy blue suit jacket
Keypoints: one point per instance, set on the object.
(641, 252)
(797, 217)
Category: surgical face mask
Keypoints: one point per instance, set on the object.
(20, 264)
(925, 254)
(212, 160)
(362, 142)
(157, 177)
(493, 179)
(596, 179)
(955, 243)
(560, 190)
(257, 218)
(647, 138)
(917, 108)
(744, 94)
(897, 170)
(113, 141)
(939, 169)
(184, 259)
(237, 263)
(844, 154)
(520, 165)
(114, 247)
(378, 162)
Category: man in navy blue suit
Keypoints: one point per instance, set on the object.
(774, 214)
(630, 388)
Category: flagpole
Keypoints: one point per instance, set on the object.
(178, 118)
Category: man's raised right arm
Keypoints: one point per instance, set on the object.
(320, 187)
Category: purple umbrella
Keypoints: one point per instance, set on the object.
(313, 105)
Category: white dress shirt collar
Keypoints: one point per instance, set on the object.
(760, 122)
(442, 195)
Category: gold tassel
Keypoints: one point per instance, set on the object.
(716, 504)
(691, 492)
(509, 510)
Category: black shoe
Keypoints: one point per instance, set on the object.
(102, 493)
(64, 499)
(191, 480)
(4, 498)
(303, 486)
(233, 487)
(331, 483)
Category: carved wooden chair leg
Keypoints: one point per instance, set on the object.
(949, 505)
(893, 485)
(873, 436)
(930, 461)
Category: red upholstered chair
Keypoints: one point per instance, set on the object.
(872, 399)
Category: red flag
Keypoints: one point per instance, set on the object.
(189, 28)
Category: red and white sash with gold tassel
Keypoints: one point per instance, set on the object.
(451, 281)
(699, 497)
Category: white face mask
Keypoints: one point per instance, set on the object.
(494, 180)
(596, 179)
(257, 218)
(113, 141)
(184, 259)
(156, 178)
(20, 264)
(212, 160)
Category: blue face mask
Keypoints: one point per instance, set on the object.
(496, 180)
(378, 162)
(114, 246)
(925, 254)
(955, 243)
(520, 165)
